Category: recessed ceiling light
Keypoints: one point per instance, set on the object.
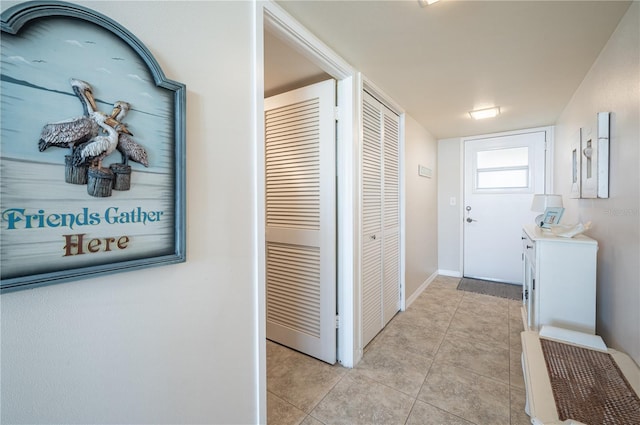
(480, 114)
(424, 3)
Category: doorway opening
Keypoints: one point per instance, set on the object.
(294, 58)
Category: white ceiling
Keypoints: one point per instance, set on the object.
(443, 60)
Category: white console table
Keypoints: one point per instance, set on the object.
(559, 280)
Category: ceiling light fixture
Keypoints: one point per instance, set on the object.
(480, 114)
(424, 3)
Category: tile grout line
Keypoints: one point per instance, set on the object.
(472, 371)
(435, 354)
(434, 360)
(290, 404)
(452, 414)
(415, 400)
(380, 341)
(325, 396)
(508, 383)
(457, 307)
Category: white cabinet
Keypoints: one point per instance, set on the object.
(559, 280)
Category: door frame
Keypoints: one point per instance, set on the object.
(280, 23)
(548, 173)
(269, 15)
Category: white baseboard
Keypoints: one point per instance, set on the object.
(450, 273)
(420, 289)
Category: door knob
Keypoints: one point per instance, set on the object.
(469, 220)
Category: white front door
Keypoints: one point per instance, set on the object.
(501, 175)
(301, 219)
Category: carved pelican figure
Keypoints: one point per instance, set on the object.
(128, 148)
(131, 150)
(70, 132)
(99, 147)
(120, 110)
(74, 131)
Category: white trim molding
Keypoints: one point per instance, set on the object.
(259, 219)
(283, 25)
(450, 273)
(420, 289)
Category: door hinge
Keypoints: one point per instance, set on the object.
(337, 321)
(534, 285)
(336, 113)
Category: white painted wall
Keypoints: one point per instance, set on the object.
(173, 344)
(421, 218)
(449, 216)
(612, 84)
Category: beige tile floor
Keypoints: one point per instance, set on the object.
(452, 358)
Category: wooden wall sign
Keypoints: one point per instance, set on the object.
(92, 154)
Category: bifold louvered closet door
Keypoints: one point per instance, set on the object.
(301, 220)
(380, 217)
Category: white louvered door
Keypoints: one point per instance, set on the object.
(380, 217)
(301, 220)
(371, 220)
(391, 216)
